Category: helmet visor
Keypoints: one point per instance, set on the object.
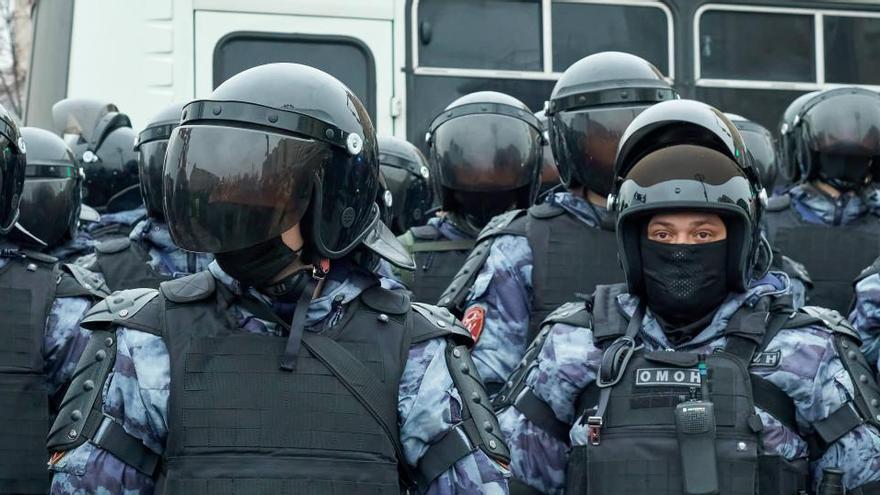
(486, 153)
(150, 161)
(587, 143)
(230, 188)
(12, 172)
(48, 202)
(761, 147)
(79, 117)
(848, 124)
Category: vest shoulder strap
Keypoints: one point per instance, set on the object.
(454, 296)
(607, 321)
(195, 287)
(796, 270)
(779, 203)
(440, 246)
(545, 210)
(425, 232)
(76, 281)
(867, 272)
(38, 256)
(114, 245)
(576, 314)
(431, 322)
(394, 302)
(134, 308)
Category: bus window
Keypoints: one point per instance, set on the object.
(347, 59)
(581, 29)
(851, 48)
(480, 34)
(765, 46)
(760, 105)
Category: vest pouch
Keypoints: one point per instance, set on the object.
(24, 406)
(778, 475)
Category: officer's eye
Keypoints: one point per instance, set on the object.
(704, 235)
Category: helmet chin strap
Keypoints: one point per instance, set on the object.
(301, 285)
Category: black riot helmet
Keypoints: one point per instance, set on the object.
(720, 178)
(839, 137)
(760, 143)
(52, 196)
(103, 142)
(407, 178)
(485, 152)
(591, 105)
(788, 139)
(549, 169)
(274, 146)
(12, 170)
(150, 146)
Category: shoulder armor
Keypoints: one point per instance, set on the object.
(126, 308)
(431, 321)
(78, 281)
(38, 256)
(545, 210)
(454, 296)
(834, 321)
(871, 270)
(395, 302)
(114, 245)
(426, 232)
(80, 412)
(796, 270)
(608, 322)
(571, 313)
(779, 203)
(191, 288)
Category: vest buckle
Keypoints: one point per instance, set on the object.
(594, 429)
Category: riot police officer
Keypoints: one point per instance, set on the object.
(788, 139)
(485, 151)
(286, 367)
(527, 263)
(148, 255)
(103, 142)
(51, 200)
(826, 221)
(41, 301)
(695, 376)
(407, 177)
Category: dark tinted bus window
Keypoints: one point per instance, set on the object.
(435, 93)
(346, 59)
(480, 34)
(764, 106)
(581, 29)
(757, 46)
(852, 45)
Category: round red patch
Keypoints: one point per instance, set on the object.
(473, 320)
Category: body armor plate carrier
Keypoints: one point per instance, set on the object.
(833, 255)
(124, 265)
(568, 258)
(437, 261)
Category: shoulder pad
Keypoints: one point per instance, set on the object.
(545, 210)
(834, 321)
(80, 411)
(431, 321)
(609, 323)
(571, 313)
(114, 245)
(38, 256)
(126, 308)
(796, 270)
(428, 232)
(871, 270)
(499, 224)
(779, 203)
(78, 281)
(395, 302)
(191, 288)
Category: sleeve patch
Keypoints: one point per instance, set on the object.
(473, 320)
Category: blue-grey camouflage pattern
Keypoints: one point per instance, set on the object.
(81, 245)
(127, 218)
(816, 207)
(63, 340)
(447, 228)
(137, 394)
(503, 289)
(865, 317)
(810, 372)
(165, 257)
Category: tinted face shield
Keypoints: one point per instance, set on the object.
(228, 188)
(151, 158)
(483, 153)
(760, 145)
(586, 140)
(12, 172)
(50, 202)
(411, 196)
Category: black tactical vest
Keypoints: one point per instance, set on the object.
(437, 261)
(568, 258)
(124, 265)
(833, 255)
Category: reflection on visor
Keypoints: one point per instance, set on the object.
(49, 171)
(46, 207)
(736, 192)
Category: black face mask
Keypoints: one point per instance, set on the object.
(256, 266)
(684, 282)
(845, 172)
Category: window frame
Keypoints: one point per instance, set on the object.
(547, 73)
(818, 46)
